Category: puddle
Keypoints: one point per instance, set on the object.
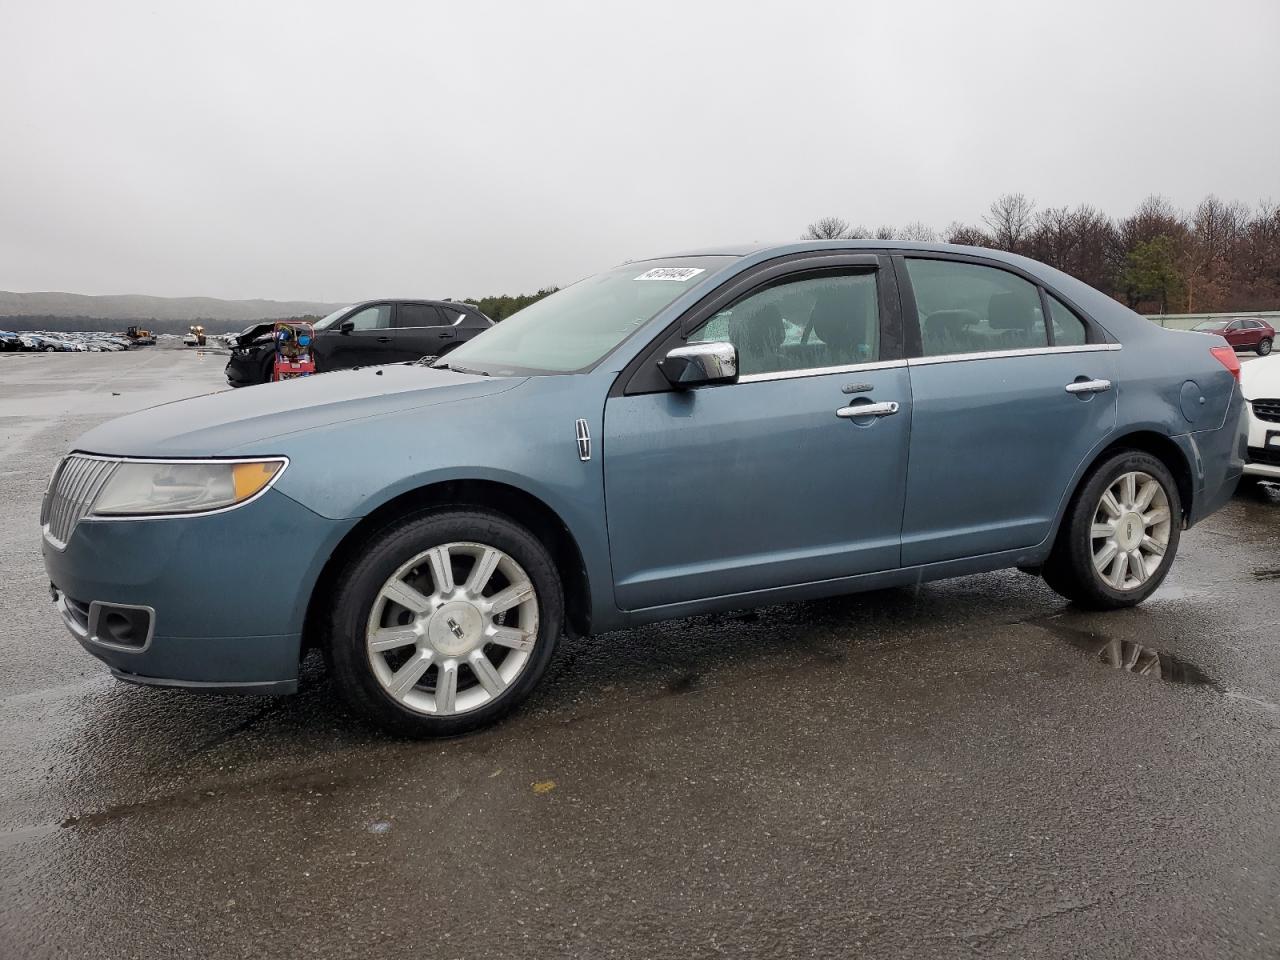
(1133, 657)
(1174, 591)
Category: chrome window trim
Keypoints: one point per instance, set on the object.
(820, 371)
(997, 354)
(91, 517)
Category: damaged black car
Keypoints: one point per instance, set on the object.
(364, 334)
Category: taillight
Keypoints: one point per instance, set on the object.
(1227, 357)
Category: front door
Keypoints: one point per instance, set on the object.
(1002, 417)
(1236, 334)
(367, 341)
(775, 479)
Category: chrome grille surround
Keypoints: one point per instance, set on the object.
(75, 485)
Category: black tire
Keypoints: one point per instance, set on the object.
(1070, 569)
(50, 349)
(359, 584)
(1264, 347)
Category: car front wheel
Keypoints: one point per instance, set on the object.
(445, 622)
(1264, 347)
(1120, 534)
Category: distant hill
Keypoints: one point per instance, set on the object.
(134, 308)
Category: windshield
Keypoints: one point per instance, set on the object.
(329, 320)
(576, 327)
(1211, 325)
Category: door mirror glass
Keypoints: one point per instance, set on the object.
(700, 363)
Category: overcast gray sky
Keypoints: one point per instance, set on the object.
(337, 151)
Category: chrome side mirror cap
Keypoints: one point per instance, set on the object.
(700, 363)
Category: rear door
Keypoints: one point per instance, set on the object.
(1006, 407)
(775, 479)
(421, 330)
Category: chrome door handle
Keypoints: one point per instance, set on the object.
(1089, 386)
(858, 410)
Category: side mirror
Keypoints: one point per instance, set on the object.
(700, 363)
(346, 326)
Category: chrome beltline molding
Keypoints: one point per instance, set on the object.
(997, 354)
(924, 361)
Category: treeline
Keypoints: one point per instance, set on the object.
(499, 308)
(1217, 257)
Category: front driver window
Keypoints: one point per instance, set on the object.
(824, 321)
(372, 318)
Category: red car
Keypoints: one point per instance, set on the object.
(1243, 333)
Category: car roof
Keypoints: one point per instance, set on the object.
(434, 303)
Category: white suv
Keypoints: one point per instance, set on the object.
(1260, 381)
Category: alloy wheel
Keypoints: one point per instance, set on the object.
(451, 630)
(1130, 532)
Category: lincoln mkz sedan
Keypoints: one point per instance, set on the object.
(678, 436)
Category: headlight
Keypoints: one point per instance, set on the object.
(138, 488)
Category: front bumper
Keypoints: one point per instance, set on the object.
(1263, 456)
(245, 369)
(227, 593)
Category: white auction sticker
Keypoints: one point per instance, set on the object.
(679, 274)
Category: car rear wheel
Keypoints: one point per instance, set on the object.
(445, 622)
(1120, 534)
(1264, 347)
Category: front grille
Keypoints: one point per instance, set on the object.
(1269, 457)
(75, 486)
(1267, 409)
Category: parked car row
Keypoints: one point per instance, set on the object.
(46, 342)
(368, 333)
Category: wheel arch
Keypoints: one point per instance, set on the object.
(516, 504)
(1160, 446)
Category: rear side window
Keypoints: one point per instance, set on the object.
(1068, 329)
(967, 308)
(419, 315)
(826, 321)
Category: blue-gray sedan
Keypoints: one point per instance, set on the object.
(684, 435)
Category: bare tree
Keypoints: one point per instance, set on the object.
(828, 228)
(966, 235)
(1221, 256)
(917, 230)
(1009, 218)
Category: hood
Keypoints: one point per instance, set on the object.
(215, 424)
(249, 334)
(1260, 378)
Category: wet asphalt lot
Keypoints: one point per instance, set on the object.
(948, 771)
